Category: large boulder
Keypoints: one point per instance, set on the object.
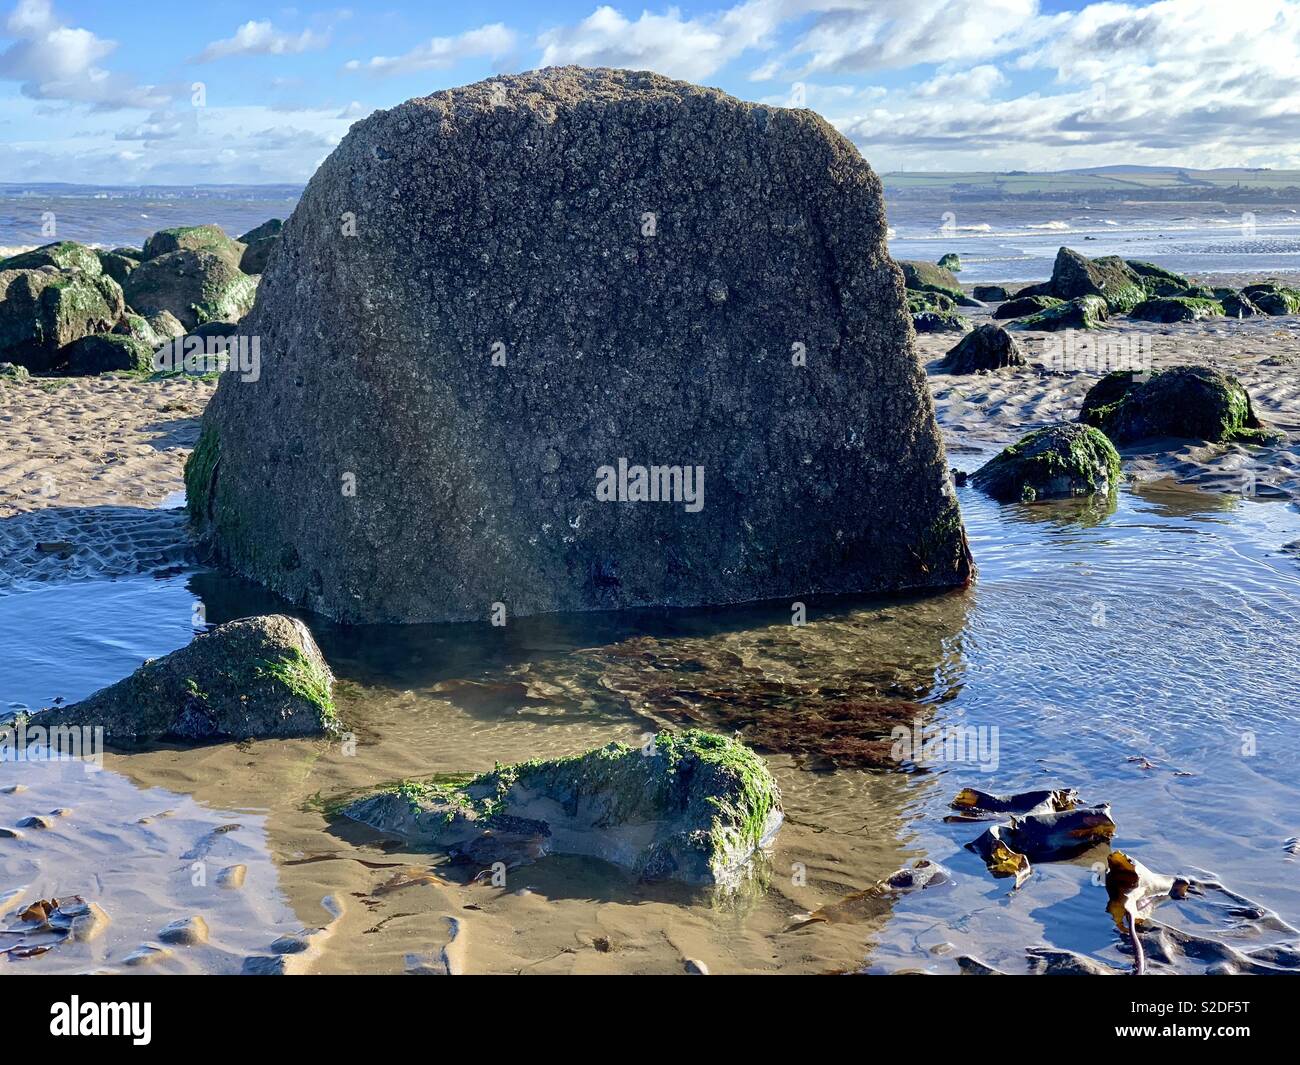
(209, 238)
(988, 347)
(195, 286)
(1273, 298)
(693, 806)
(1156, 279)
(1057, 462)
(1197, 402)
(44, 309)
(990, 293)
(62, 255)
(259, 241)
(518, 399)
(103, 352)
(1110, 277)
(117, 265)
(256, 677)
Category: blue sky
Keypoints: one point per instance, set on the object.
(106, 92)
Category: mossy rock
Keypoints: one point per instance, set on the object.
(919, 302)
(1057, 462)
(259, 241)
(1085, 312)
(138, 327)
(1075, 275)
(1193, 402)
(1274, 298)
(951, 261)
(1236, 304)
(116, 265)
(1177, 309)
(11, 372)
(195, 286)
(990, 293)
(256, 677)
(62, 255)
(929, 277)
(988, 347)
(1043, 288)
(43, 310)
(1022, 306)
(209, 238)
(692, 806)
(105, 352)
(940, 322)
(1156, 280)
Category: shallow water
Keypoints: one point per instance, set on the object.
(1146, 656)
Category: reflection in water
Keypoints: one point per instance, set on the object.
(1146, 656)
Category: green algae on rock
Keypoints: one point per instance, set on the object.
(103, 352)
(691, 806)
(44, 309)
(1109, 277)
(950, 261)
(1023, 306)
(1057, 462)
(62, 255)
(1083, 312)
(207, 238)
(255, 677)
(1196, 402)
(940, 322)
(1273, 297)
(196, 286)
(259, 240)
(1177, 309)
(1156, 280)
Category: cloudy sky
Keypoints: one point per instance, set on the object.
(151, 92)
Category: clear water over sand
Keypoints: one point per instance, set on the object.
(1133, 654)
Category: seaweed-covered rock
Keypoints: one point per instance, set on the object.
(103, 352)
(1083, 312)
(951, 261)
(195, 286)
(1075, 275)
(11, 372)
(1057, 462)
(1176, 309)
(116, 265)
(990, 293)
(1273, 298)
(259, 243)
(62, 255)
(1156, 280)
(940, 322)
(1023, 306)
(481, 380)
(920, 302)
(1236, 304)
(988, 347)
(693, 806)
(42, 310)
(1197, 402)
(211, 239)
(166, 326)
(928, 277)
(256, 677)
(138, 327)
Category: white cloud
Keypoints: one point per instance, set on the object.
(691, 48)
(262, 38)
(975, 83)
(492, 41)
(52, 61)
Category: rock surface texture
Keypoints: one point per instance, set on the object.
(488, 294)
(256, 677)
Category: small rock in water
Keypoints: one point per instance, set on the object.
(186, 932)
(695, 968)
(10, 833)
(35, 821)
(13, 789)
